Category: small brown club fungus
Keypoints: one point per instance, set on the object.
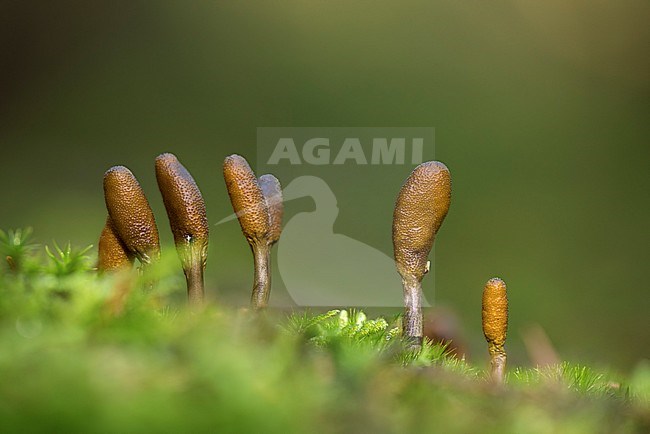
(272, 191)
(258, 206)
(188, 220)
(131, 215)
(421, 207)
(495, 325)
(113, 254)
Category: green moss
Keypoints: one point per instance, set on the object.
(87, 353)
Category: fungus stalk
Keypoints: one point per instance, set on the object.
(258, 206)
(188, 221)
(192, 257)
(272, 191)
(412, 327)
(495, 325)
(262, 277)
(421, 207)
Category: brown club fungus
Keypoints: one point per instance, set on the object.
(258, 206)
(131, 214)
(421, 207)
(272, 191)
(112, 253)
(188, 220)
(495, 325)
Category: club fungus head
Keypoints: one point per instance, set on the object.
(421, 207)
(247, 199)
(495, 314)
(131, 214)
(272, 191)
(184, 204)
(188, 220)
(112, 253)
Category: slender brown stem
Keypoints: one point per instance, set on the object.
(262, 283)
(498, 364)
(412, 322)
(193, 265)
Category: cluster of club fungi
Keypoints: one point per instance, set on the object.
(131, 233)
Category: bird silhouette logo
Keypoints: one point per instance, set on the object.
(322, 268)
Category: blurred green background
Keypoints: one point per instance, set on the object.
(540, 110)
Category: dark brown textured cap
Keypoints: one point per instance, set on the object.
(272, 191)
(247, 198)
(131, 214)
(112, 253)
(421, 207)
(183, 201)
(495, 312)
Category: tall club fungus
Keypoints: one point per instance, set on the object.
(131, 216)
(421, 207)
(188, 220)
(258, 206)
(272, 191)
(495, 325)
